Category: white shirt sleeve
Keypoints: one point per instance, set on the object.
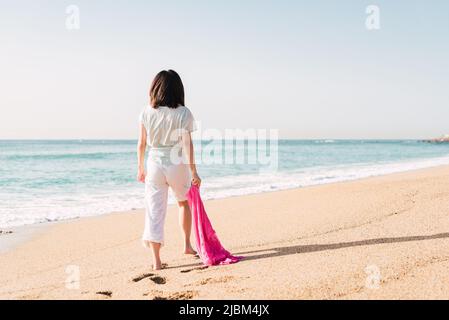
(143, 117)
(189, 122)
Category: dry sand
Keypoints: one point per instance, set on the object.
(383, 237)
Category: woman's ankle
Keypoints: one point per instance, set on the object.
(157, 264)
(188, 249)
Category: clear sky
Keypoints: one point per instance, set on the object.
(308, 68)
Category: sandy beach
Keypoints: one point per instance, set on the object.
(385, 237)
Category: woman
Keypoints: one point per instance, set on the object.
(165, 126)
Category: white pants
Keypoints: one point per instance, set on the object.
(159, 177)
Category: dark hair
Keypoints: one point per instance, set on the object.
(167, 90)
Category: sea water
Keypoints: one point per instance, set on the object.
(42, 181)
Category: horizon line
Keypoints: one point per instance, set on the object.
(132, 139)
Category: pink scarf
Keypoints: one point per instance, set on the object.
(208, 246)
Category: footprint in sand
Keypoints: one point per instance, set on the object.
(105, 293)
(215, 280)
(155, 278)
(158, 280)
(142, 276)
(192, 269)
(181, 295)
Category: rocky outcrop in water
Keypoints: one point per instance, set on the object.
(443, 139)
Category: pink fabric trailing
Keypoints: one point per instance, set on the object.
(208, 246)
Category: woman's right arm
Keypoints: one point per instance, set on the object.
(141, 148)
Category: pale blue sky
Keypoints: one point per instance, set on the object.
(308, 68)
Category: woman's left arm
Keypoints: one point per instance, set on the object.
(141, 148)
(188, 147)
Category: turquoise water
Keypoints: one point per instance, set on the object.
(52, 180)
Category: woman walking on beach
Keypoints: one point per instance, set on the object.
(165, 126)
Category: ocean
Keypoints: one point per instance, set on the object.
(43, 181)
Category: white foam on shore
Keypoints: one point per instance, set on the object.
(52, 209)
(251, 184)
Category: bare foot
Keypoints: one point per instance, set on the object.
(157, 266)
(190, 250)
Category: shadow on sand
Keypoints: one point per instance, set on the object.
(284, 251)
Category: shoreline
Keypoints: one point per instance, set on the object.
(22, 234)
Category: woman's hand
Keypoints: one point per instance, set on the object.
(196, 180)
(141, 175)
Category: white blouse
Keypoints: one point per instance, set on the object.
(164, 125)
